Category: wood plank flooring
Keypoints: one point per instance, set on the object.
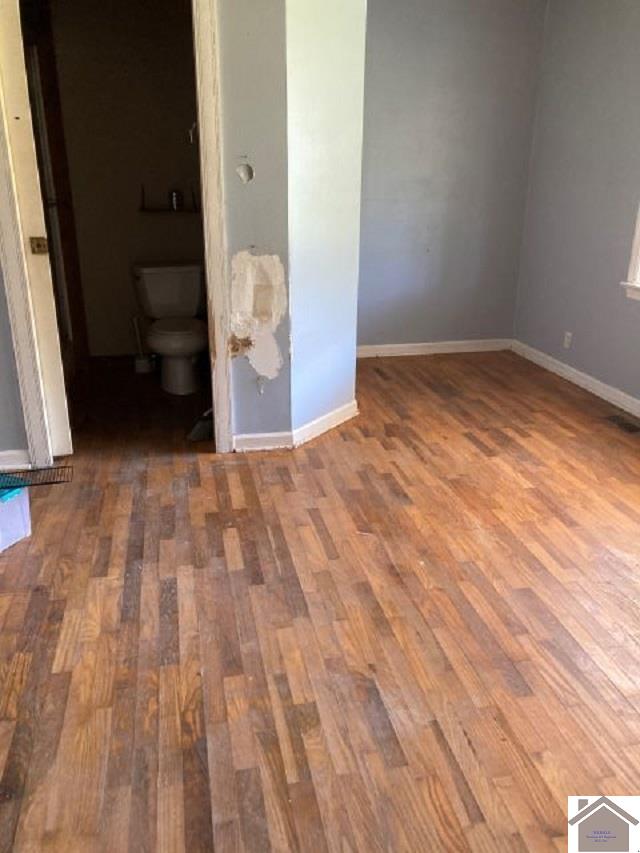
(419, 632)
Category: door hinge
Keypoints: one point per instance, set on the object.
(39, 245)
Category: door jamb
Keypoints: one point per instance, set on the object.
(13, 263)
(207, 60)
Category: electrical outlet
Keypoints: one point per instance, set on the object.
(568, 340)
(39, 245)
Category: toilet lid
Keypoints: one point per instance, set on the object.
(171, 326)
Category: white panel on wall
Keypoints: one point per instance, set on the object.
(325, 90)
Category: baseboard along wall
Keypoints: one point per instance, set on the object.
(288, 440)
(280, 440)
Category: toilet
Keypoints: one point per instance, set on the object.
(172, 296)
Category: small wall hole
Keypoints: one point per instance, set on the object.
(245, 172)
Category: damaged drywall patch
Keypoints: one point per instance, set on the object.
(258, 304)
(239, 346)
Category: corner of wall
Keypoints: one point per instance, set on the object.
(530, 159)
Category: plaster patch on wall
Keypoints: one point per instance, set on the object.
(258, 304)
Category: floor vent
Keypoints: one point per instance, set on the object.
(624, 423)
(35, 477)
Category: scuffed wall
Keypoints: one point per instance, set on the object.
(254, 131)
(258, 305)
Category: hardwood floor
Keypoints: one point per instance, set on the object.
(419, 632)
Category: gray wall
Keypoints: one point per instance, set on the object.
(584, 192)
(12, 434)
(253, 89)
(449, 103)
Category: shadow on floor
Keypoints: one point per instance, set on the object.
(112, 405)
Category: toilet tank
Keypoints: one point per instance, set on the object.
(169, 291)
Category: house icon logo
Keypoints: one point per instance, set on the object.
(605, 824)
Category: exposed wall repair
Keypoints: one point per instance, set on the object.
(258, 304)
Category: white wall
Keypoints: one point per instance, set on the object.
(449, 105)
(584, 192)
(325, 83)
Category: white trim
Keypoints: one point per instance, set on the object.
(434, 348)
(20, 307)
(324, 423)
(633, 276)
(607, 392)
(207, 60)
(34, 286)
(248, 442)
(633, 289)
(288, 440)
(14, 460)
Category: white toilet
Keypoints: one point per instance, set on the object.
(172, 297)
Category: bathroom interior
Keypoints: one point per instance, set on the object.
(113, 100)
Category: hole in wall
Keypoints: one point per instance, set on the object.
(245, 172)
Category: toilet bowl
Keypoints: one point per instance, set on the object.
(178, 340)
(171, 296)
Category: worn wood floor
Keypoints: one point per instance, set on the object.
(419, 632)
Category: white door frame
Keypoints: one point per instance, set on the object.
(15, 258)
(21, 313)
(207, 57)
(27, 277)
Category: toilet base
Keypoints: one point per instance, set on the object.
(178, 374)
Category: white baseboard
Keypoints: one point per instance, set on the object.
(246, 442)
(612, 395)
(279, 440)
(286, 440)
(325, 423)
(607, 392)
(434, 348)
(14, 460)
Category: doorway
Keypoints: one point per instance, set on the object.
(95, 304)
(113, 104)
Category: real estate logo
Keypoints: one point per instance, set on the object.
(604, 823)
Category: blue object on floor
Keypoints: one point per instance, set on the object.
(15, 515)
